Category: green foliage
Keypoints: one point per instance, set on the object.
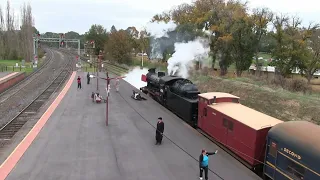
(119, 47)
(99, 35)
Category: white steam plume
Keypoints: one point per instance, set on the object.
(185, 54)
(160, 29)
(134, 77)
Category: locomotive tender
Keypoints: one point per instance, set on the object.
(275, 149)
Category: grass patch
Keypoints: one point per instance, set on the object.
(149, 64)
(276, 102)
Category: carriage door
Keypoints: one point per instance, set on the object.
(271, 158)
(202, 113)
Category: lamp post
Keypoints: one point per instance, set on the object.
(98, 62)
(107, 103)
(107, 98)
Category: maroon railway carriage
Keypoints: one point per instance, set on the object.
(240, 129)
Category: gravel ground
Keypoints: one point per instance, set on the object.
(16, 100)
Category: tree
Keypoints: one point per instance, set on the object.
(221, 24)
(311, 60)
(98, 34)
(281, 52)
(261, 18)
(242, 39)
(118, 47)
(144, 41)
(113, 29)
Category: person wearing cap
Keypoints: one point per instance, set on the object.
(204, 162)
(159, 131)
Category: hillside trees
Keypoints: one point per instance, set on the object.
(237, 36)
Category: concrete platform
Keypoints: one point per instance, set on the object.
(5, 75)
(75, 143)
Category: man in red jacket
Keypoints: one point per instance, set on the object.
(79, 82)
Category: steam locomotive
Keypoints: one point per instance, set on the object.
(177, 94)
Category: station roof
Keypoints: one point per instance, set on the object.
(246, 115)
(210, 95)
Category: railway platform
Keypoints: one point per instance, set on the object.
(6, 75)
(75, 143)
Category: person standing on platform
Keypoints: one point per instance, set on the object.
(159, 131)
(79, 82)
(88, 78)
(204, 162)
(117, 84)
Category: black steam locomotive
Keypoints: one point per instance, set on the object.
(177, 94)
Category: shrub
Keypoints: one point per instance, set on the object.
(298, 85)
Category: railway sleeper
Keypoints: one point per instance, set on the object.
(45, 95)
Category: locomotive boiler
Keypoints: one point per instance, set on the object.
(177, 94)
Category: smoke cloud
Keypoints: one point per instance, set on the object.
(160, 29)
(186, 54)
(134, 77)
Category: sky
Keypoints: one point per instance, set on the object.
(62, 16)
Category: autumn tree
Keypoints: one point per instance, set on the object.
(261, 17)
(310, 62)
(281, 52)
(243, 46)
(119, 47)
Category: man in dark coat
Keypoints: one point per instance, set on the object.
(88, 78)
(159, 131)
(204, 162)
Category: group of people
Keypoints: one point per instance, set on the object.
(96, 97)
(203, 158)
(108, 88)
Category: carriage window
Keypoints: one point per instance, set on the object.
(204, 111)
(295, 170)
(230, 126)
(225, 122)
(235, 100)
(273, 149)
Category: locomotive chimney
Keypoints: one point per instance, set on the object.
(214, 99)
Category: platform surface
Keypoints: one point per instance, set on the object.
(75, 143)
(6, 75)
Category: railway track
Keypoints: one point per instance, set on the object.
(113, 68)
(15, 124)
(14, 89)
(19, 96)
